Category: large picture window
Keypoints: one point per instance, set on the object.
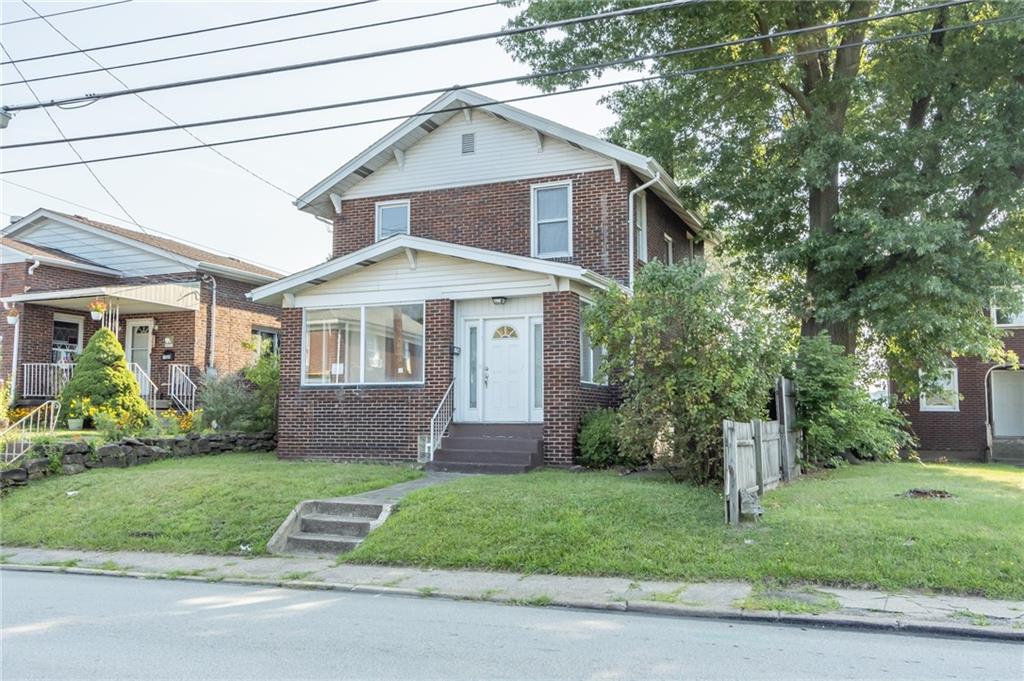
(552, 220)
(369, 344)
(67, 338)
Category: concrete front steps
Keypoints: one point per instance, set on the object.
(490, 448)
(327, 527)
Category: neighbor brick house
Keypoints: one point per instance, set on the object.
(466, 243)
(179, 310)
(980, 413)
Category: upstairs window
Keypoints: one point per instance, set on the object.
(669, 255)
(641, 226)
(552, 220)
(1004, 318)
(392, 219)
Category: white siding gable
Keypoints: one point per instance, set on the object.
(503, 151)
(435, 276)
(103, 250)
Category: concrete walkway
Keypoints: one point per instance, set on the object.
(847, 608)
(395, 493)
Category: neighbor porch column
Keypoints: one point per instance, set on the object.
(561, 376)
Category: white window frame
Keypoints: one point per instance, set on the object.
(669, 248)
(70, 319)
(954, 382)
(589, 380)
(362, 347)
(381, 205)
(534, 240)
(1014, 324)
(641, 227)
(275, 344)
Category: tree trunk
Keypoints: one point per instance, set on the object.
(823, 206)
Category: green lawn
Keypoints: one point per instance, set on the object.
(849, 527)
(212, 504)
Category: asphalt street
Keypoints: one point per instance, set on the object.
(59, 626)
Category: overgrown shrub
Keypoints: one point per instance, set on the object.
(229, 403)
(599, 440)
(112, 428)
(689, 348)
(265, 377)
(102, 376)
(836, 412)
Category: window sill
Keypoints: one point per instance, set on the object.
(360, 386)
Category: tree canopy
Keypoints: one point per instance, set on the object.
(878, 187)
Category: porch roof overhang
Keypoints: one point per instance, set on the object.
(130, 299)
(275, 292)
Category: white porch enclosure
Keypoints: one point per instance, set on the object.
(44, 379)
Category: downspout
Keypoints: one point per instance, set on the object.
(17, 343)
(632, 224)
(210, 368)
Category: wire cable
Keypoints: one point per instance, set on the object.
(67, 11)
(152, 106)
(277, 41)
(601, 86)
(643, 9)
(196, 31)
(483, 83)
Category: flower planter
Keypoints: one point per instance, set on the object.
(96, 315)
(76, 424)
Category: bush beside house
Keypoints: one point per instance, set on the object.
(102, 379)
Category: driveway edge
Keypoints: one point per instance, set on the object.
(824, 621)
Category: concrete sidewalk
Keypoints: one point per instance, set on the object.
(818, 606)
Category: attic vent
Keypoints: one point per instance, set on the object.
(498, 116)
(469, 143)
(573, 144)
(429, 125)
(363, 171)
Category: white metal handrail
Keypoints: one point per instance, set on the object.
(181, 387)
(146, 385)
(16, 440)
(441, 419)
(44, 379)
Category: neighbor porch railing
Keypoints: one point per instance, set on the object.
(17, 439)
(44, 379)
(181, 388)
(441, 419)
(146, 385)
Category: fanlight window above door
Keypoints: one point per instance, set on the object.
(505, 331)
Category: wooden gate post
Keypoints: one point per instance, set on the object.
(758, 428)
(732, 495)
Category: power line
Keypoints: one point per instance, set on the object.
(485, 83)
(643, 9)
(72, 147)
(304, 36)
(160, 112)
(671, 74)
(197, 31)
(67, 11)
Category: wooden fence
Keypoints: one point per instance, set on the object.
(760, 455)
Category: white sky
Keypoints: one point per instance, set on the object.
(196, 195)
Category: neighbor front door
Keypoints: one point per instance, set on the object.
(140, 336)
(505, 372)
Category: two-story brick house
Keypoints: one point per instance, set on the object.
(466, 242)
(177, 309)
(980, 412)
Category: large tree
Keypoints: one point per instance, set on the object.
(880, 187)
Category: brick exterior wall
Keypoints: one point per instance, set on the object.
(369, 422)
(236, 319)
(661, 221)
(962, 433)
(496, 217)
(562, 387)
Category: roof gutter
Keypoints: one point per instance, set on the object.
(632, 223)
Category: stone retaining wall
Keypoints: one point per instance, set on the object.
(78, 456)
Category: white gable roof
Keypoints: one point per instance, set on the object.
(410, 247)
(382, 152)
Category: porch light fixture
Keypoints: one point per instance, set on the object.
(499, 300)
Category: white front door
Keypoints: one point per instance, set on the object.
(506, 375)
(1008, 403)
(140, 336)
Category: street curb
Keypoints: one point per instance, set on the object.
(825, 621)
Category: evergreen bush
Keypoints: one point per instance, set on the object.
(102, 376)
